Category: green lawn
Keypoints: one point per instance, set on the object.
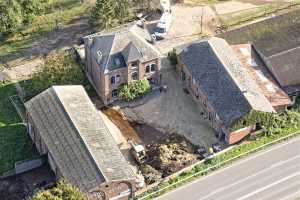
(15, 144)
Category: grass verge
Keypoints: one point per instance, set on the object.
(219, 161)
(15, 144)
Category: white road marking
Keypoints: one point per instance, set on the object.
(249, 177)
(269, 186)
(275, 147)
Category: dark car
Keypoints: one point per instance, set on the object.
(203, 154)
(216, 147)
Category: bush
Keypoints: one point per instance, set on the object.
(62, 191)
(173, 57)
(134, 90)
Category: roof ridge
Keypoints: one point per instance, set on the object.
(109, 54)
(144, 41)
(234, 78)
(93, 160)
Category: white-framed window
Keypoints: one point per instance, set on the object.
(118, 78)
(114, 93)
(115, 79)
(150, 68)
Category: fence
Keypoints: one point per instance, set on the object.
(216, 166)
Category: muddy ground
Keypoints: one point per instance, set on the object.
(171, 154)
(22, 186)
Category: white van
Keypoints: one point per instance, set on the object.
(163, 26)
(165, 6)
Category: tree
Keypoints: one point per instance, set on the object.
(10, 16)
(30, 9)
(134, 90)
(108, 13)
(103, 14)
(121, 9)
(63, 191)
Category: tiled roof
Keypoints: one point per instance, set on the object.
(77, 138)
(220, 76)
(129, 42)
(277, 40)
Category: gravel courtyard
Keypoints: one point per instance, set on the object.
(174, 111)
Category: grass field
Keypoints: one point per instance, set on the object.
(15, 144)
(59, 13)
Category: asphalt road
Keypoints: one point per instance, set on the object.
(273, 174)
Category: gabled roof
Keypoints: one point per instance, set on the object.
(125, 43)
(277, 40)
(131, 53)
(220, 76)
(77, 138)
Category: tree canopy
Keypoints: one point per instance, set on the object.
(15, 13)
(63, 191)
(108, 13)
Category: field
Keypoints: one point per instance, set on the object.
(279, 26)
(60, 13)
(15, 145)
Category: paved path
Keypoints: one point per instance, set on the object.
(273, 174)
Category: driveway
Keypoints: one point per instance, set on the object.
(186, 25)
(174, 111)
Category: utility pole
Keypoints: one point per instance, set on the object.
(202, 13)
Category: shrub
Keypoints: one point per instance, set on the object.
(134, 90)
(63, 190)
(173, 57)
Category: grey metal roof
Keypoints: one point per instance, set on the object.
(129, 42)
(77, 138)
(221, 77)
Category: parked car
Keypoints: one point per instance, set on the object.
(163, 26)
(203, 153)
(216, 147)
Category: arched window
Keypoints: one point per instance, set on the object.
(118, 78)
(147, 69)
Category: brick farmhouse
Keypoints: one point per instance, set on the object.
(120, 57)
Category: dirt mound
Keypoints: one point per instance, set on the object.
(169, 156)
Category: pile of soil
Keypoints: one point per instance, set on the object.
(170, 155)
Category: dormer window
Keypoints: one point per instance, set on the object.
(99, 56)
(117, 61)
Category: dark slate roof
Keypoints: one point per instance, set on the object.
(131, 53)
(220, 76)
(277, 40)
(129, 42)
(77, 138)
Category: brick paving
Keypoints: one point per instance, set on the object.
(175, 111)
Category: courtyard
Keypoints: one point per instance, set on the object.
(174, 111)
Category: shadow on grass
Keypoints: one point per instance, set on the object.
(15, 145)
